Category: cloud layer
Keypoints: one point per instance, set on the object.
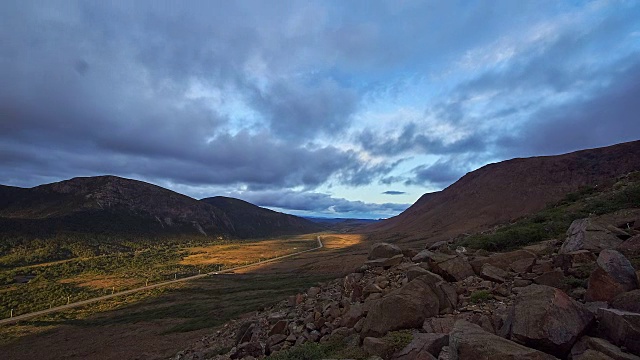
(284, 105)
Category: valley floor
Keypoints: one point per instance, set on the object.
(159, 323)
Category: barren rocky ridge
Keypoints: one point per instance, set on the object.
(571, 299)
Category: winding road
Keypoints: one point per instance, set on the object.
(127, 292)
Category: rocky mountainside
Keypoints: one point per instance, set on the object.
(574, 299)
(250, 221)
(114, 205)
(501, 192)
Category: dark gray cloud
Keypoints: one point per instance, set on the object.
(320, 203)
(608, 116)
(414, 138)
(441, 173)
(299, 112)
(267, 98)
(394, 192)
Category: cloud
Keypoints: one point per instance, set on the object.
(394, 192)
(304, 111)
(441, 173)
(415, 138)
(320, 203)
(248, 96)
(608, 116)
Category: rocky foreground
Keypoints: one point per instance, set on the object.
(574, 299)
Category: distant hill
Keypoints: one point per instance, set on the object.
(250, 221)
(502, 192)
(115, 205)
(321, 220)
(343, 225)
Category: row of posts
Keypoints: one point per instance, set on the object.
(113, 291)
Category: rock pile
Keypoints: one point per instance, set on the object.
(577, 299)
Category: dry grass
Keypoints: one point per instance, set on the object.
(340, 255)
(104, 282)
(247, 252)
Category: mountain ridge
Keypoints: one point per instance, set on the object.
(501, 192)
(112, 204)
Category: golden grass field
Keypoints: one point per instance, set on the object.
(247, 252)
(158, 323)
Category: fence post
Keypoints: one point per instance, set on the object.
(11, 313)
(68, 299)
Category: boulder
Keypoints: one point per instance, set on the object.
(385, 262)
(630, 247)
(248, 349)
(470, 341)
(279, 327)
(552, 278)
(422, 347)
(442, 325)
(384, 251)
(591, 355)
(355, 313)
(403, 308)
(313, 291)
(415, 271)
(629, 301)
(502, 260)
(438, 245)
(409, 253)
(547, 319)
(581, 349)
(493, 273)
(523, 266)
(245, 332)
(613, 276)
(447, 296)
(450, 267)
(621, 327)
(574, 259)
(586, 234)
(422, 256)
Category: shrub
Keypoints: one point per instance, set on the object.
(575, 282)
(480, 296)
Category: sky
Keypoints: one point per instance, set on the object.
(319, 108)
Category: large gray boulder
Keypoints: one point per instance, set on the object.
(586, 234)
(403, 308)
(547, 319)
(383, 251)
(613, 276)
(621, 327)
(505, 261)
(422, 347)
(606, 350)
(630, 247)
(450, 267)
(470, 341)
(629, 301)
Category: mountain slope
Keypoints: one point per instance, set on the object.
(114, 205)
(504, 191)
(248, 220)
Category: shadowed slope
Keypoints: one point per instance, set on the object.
(504, 191)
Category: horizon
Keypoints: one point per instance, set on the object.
(322, 109)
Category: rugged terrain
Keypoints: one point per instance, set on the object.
(114, 205)
(505, 191)
(573, 299)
